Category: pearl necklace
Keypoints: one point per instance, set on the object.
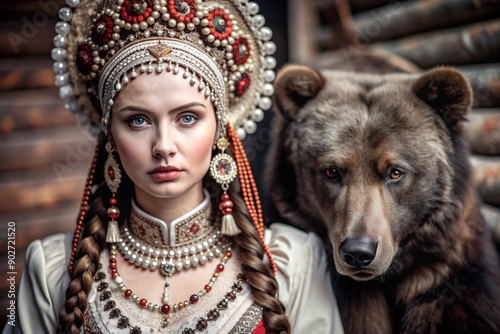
(166, 307)
(173, 258)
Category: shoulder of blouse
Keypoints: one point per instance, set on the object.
(43, 284)
(304, 280)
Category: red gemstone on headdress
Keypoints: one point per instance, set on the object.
(143, 302)
(165, 308)
(225, 197)
(102, 30)
(111, 173)
(242, 84)
(208, 288)
(84, 60)
(128, 293)
(241, 51)
(194, 228)
(114, 275)
(220, 268)
(113, 201)
(227, 211)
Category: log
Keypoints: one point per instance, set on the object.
(40, 189)
(14, 10)
(370, 60)
(21, 37)
(37, 223)
(483, 131)
(61, 148)
(477, 43)
(26, 73)
(487, 178)
(356, 5)
(399, 19)
(491, 217)
(302, 15)
(485, 81)
(33, 109)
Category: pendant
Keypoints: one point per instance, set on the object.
(167, 269)
(165, 321)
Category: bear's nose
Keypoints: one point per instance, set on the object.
(358, 252)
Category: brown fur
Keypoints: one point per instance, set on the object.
(381, 158)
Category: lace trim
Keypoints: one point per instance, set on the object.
(249, 321)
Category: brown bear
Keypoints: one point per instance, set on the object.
(378, 165)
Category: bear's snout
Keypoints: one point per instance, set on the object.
(358, 252)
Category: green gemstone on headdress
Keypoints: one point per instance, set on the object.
(219, 24)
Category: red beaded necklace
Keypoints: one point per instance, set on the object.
(166, 307)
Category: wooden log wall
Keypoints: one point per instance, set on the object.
(427, 33)
(38, 136)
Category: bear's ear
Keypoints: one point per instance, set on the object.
(294, 86)
(447, 91)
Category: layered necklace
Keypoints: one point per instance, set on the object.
(190, 241)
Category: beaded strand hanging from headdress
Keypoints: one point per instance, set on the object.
(219, 46)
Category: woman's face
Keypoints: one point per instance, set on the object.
(163, 129)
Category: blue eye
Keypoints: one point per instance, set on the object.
(137, 121)
(188, 119)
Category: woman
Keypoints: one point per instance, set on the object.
(170, 236)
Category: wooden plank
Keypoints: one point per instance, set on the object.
(65, 148)
(487, 178)
(26, 73)
(477, 43)
(483, 131)
(32, 109)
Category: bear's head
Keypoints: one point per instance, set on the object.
(375, 163)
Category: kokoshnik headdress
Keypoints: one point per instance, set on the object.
(219, 46)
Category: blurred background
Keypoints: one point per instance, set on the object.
(45, 155)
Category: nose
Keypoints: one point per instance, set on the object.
(358, 252)
(164, 144)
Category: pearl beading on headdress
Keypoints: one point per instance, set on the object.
(231, 32)
(196, 66)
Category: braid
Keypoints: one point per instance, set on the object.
(258, 274)
(86, 265)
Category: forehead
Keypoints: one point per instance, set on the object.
(358, 114)
(165, 85)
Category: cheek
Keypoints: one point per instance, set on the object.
(132, 151)
(202, 149)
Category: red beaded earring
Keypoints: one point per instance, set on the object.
(113, 177)
(223, 170)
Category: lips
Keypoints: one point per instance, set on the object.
(165, 173)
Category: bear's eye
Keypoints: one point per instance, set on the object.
(332, 173)
(395, 174)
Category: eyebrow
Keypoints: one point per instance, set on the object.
(181, 107)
